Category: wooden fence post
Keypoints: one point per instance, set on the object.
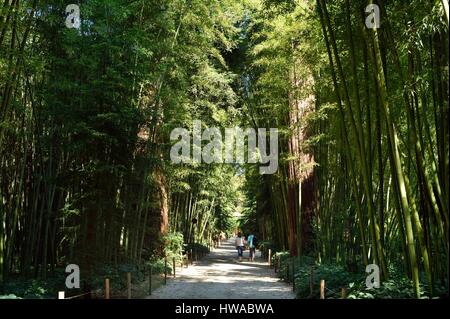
(279, 263)
(165, 270)
(322, 289)
(293, 275)
(192, 256)
(150, 280)
(174, 267)
(344, 293)
(287, 267)
(275, 264)
(128, 285)
(270, 258)
(106, 288)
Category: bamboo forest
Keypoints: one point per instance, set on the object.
(353, 96)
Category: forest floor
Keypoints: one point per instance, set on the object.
(220, 275)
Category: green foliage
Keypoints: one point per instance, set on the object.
(336, 277)
(101, 103)
(397, 287)
(118, 273)
(86, 117)
(393, 289)
(159, 265)
(32, 289)
(173, 245)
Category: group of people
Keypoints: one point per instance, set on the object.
(242, 242)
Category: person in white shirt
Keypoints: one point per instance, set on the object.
(240, 244)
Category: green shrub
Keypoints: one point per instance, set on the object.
(173, 245)
(397, 287)
(29, 288)
(158, 266)
(335, 276)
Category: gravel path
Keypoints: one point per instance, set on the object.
(221, 276)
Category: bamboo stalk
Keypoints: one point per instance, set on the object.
(344, 293)
(150, 275)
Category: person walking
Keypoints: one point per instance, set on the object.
(240, 243)
(251, 242)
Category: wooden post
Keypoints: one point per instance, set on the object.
(61, 295)
(344, 293)
(106, 288)
(275, 264)
(279, 263)
(192, 256)
(311, 282)
(128, 285)
(287, 267)
(270, 258)
(165, 270)
(293, 275)
(322, 289)
(174, 267)
(150, 280)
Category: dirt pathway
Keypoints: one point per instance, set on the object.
(220, 276)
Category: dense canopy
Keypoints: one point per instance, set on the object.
(86, 116)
